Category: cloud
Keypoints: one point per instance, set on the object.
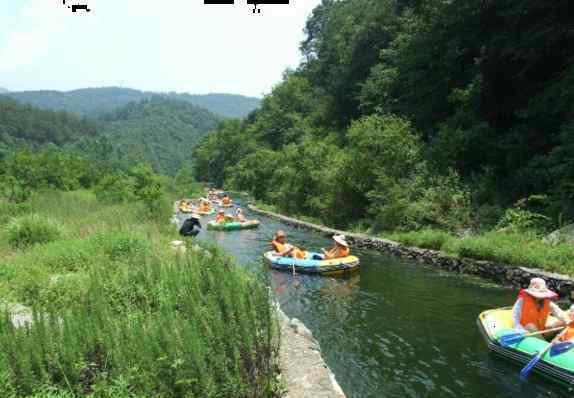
(179, 45)
(39, 23)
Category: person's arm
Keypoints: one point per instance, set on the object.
(558, 313)
(517, 314)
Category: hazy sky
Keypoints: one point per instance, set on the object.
(162, 45)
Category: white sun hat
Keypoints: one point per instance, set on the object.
(340, 239)
(538, 289)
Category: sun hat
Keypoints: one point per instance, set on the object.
(279, 234)
(538, 289)
(195, 215)
(340, 239)
(221, 211)
(239, 210)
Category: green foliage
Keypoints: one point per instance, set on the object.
(98, 101)
(414, 114)
(523, 219)
(32, 229)
(115, 188)
(184, 184)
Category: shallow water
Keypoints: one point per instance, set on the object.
(394, 329)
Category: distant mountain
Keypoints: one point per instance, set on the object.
(158, 130)
(4, 90)
(97, 101)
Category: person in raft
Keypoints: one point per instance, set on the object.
(341, 248)
(533, 306)
(569, 333)
(239, 216)
(220, 217)
(284, 249)
(226, 201)
(204, 205)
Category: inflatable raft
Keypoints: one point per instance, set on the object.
(232, 225)
(496, 323)
(336, 266)
(206, 213)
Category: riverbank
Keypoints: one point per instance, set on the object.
(512, 275)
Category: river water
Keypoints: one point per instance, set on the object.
(395, 328)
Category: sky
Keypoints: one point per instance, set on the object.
(161, 45)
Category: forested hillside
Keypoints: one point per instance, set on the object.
(3, 90)
(158, 131)
(97, 101)
(24, 126)
(408, 114)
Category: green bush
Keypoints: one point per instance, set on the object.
(196, 328)
(115, 188)
(32, 229)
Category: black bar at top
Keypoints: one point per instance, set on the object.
(218, 2)
(257, 2)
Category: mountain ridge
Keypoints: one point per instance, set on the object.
(96, 101)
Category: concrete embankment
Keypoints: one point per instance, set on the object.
(516, 276)
(303, 369)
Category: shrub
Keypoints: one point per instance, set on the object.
(522, 219)
(191, 329)
(115, 188)
(31, 229)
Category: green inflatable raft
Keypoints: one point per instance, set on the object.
(494, 324)
(232, 225)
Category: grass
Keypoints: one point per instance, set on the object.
(503, 248)
(118, 314)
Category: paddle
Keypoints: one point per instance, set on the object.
(510, 339)
(561, 348)
(534, 361)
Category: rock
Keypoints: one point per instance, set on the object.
(301, 329)
(178, 246)
(565, 235)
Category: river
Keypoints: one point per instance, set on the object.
(395, 328)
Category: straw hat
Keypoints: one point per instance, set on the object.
(538, 289)
(221, 211)
(195, 215)
(239, 211)
(279, 234)
(340, 239)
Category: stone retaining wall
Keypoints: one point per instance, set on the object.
(303, 369)
(516, 276)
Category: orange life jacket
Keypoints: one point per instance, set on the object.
(344, 252)
(569, 334)
(280, 247)
(533, 314)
